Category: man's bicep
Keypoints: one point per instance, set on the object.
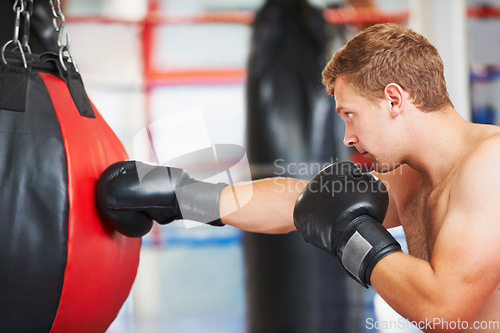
(465, 260)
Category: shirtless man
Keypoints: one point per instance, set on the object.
(439, 171)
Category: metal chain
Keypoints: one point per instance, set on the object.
(18, 9)
(25, 8)
(59, 21)
(27, 13)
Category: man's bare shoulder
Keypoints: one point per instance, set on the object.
(483, 155)
(476, 184)
(489, 134)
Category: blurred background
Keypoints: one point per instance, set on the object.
(249, 72)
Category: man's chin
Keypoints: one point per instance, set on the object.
(384, 167)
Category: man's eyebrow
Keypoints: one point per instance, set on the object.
(339, 109)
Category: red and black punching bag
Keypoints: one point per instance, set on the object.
(62, 269)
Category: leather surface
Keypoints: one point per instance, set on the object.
(102, 263)
(34, 213)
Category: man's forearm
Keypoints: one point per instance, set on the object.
(420, 293)
(268, 208)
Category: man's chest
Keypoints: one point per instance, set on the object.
(422, 213)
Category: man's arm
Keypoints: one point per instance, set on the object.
(465, 269)
(270, 209)
(130, 194)
(270, 205)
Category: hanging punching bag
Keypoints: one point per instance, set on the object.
(63, 269)
(291, 286)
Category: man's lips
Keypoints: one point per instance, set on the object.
(366, 155)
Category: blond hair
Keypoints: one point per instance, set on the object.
(390, 53)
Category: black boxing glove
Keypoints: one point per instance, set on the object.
(130, 194)
(341, 211)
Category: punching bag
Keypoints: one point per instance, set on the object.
(291, 286)
(63, 269)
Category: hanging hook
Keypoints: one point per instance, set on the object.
(20, 49)
(18, 8)
(62, 49)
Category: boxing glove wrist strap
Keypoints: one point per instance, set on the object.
(199, 201)
(367, 244)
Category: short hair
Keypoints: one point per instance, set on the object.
(390, 53)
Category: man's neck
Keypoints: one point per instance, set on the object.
(438, 143)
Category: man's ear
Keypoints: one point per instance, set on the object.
(395, 95)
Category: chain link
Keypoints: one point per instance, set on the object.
(27, 23)
(18, 9)
(18, 5)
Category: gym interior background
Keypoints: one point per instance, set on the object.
(185, 62)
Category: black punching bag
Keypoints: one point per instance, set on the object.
(63, 268)
(291, 286)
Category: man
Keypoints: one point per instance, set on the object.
(438, 169)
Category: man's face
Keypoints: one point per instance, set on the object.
(369, 126)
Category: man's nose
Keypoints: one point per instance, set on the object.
(350, 139)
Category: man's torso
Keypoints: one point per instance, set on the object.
(422, 211)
